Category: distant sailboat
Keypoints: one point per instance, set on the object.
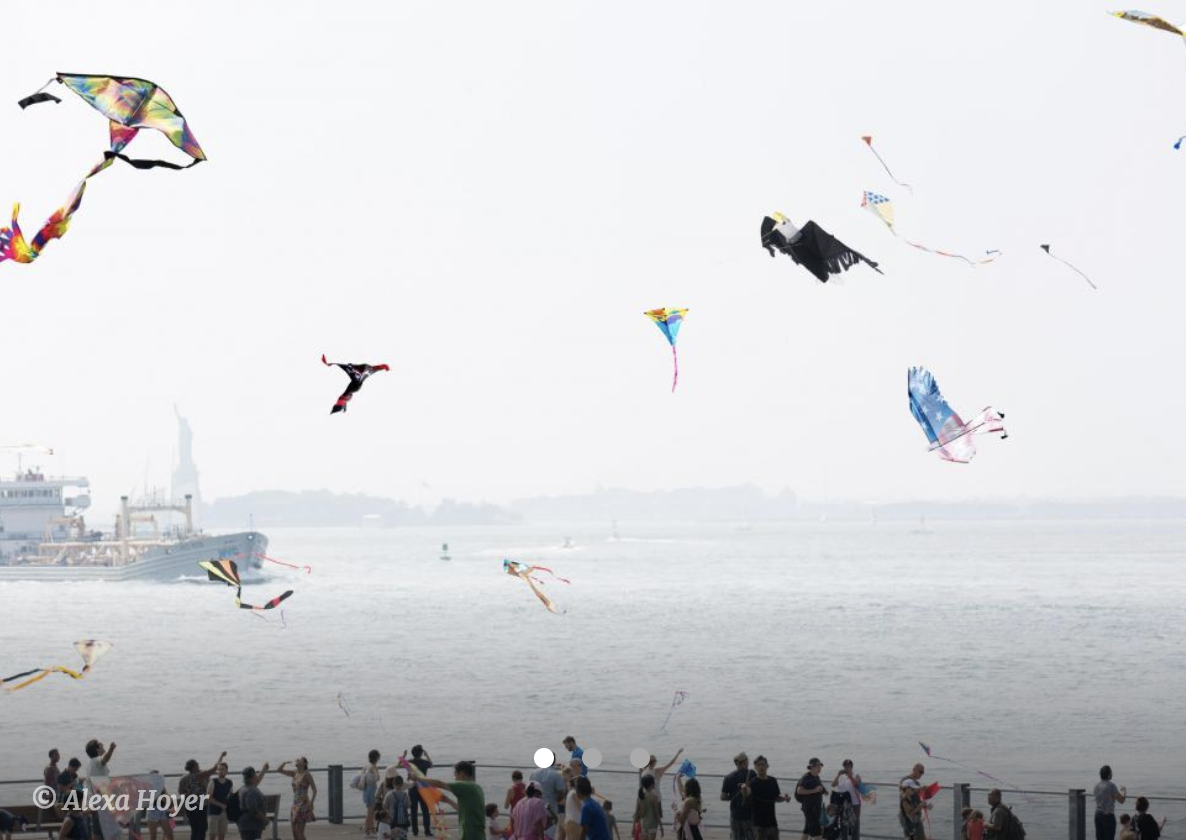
(445, 552)
(922, 526)
(616, 535)
(568, 543)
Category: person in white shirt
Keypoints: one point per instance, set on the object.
(847, 781)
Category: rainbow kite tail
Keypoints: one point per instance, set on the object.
(675, 362)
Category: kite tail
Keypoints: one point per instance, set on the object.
(306, 569)
(675, 362)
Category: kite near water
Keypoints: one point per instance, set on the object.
(676, 702)
(129, 105)
(869, 142)
(89, 649)
(947, 433)
(227, 571)
(1046, 248)
(526, 573)
(927, 749)
(358, 374)
(883, 208)
(668, 321)
(811, 247)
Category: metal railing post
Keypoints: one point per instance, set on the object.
(1077, 814)
(335, 794)
(961, 798)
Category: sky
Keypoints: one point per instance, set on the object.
(487, 197)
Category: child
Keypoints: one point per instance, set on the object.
(515, 792)
(382, 825)
(495, 830)
(974, 824)
(608, 807)
(1126, 830)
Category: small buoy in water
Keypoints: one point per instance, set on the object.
(445, 552)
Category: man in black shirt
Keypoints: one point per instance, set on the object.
(762, 793)
(810, 795)
(741, 812)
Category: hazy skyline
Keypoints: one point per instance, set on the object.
(488, 198)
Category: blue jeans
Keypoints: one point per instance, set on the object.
(1105, 826)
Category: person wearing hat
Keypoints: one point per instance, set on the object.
(741, 812)
(848, 782)
(810, 795)
(529, 816)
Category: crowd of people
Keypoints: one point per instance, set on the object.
(557, 802)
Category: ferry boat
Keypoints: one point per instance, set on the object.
(43, 536)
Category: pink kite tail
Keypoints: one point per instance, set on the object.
(307, 569)
(675, 361)
(553, 574)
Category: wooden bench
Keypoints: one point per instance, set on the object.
(40, 819)
(271, 808)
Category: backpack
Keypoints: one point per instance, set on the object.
(1014, 830)
(800, 798)
(400, 818)
(356, 782)
(234, 806)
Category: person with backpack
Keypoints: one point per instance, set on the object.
(809, 793)
(1147, 827)
(398, 805)
(910, 804)
(247, 806)
(1002, 822)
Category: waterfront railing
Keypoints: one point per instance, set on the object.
(1045, 813)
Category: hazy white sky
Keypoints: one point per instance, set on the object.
(487, 196)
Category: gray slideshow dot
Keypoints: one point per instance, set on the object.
(639, 758)
(544, 757)
(592, 758)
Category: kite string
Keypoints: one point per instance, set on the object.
(675, 362)
(869, 143)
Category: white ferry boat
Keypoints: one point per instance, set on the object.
(43, 536)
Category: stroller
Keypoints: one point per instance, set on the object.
(840, 817)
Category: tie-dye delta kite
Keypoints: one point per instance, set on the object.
(129, 105)
(950, 436)
(883, 208)
(668, 321)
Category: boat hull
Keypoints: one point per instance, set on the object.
(164, 562)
